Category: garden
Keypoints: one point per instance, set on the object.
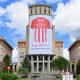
(6, 72)
(23, 73)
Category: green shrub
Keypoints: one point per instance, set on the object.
(1, 69)
(23, 71)
(7, 76)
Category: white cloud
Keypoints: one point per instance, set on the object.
(73, 39)
(2, 11)
(15, 55)
(18, 15)
(66, 53)
(67, 19)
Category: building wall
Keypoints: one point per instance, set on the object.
(39, 9)
(74, 52)
(21, 52)
(41, 63)
(4, 49)
(27, 39)
(59, 48)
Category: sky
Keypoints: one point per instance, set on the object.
(14, 18)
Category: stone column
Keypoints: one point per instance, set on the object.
(48, 63)
(75, 67)
(37, 64)
(43, 63)
(13, 68)
(70, 67)
(32, 64)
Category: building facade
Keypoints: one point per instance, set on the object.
(59, 48)
(74, 52)
(21, 51)
(40, 44)
(5, 49)
(38, 60)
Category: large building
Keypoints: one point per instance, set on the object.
(59, 48)
(40, 44)
(74, 52)
(5, 49)
(22, 52)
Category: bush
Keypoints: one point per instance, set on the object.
(7, 76)
(78, 68)
(23, 71)
(1, 69)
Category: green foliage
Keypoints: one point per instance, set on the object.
(78, 67)
(6, 60)
(6, 76)
(1, 69)
(26, 63)
(60, 63)
(24, 79)
(23, 71)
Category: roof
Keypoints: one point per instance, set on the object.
(1, 38)
(57, 41)
(22, 40)
(77, 41)
(40, 5)
(40, 54)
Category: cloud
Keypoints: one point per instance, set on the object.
(66, 53)
(15, 56)
(15, 18)
(2, 11)
(3, 0)
(67, 19)
(17, 13)
(18, 16)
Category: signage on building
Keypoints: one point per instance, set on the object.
(40, 34)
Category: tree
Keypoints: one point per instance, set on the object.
(78, 67)
(6, 61)
(60, 63)
(26, 63)
(1, 69)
